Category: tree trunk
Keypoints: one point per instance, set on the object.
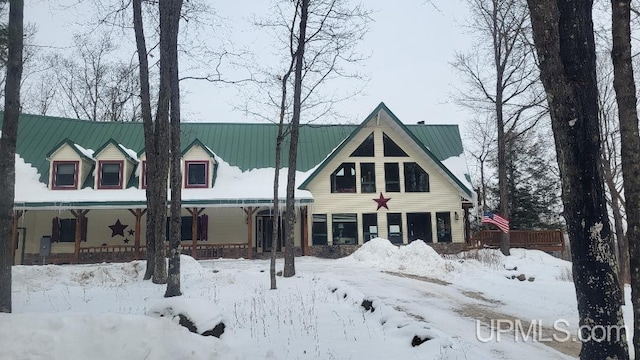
(8, 149)
(171, 16)
(289, 256)
(623, 83)
(563, 36)
(503, 184)
(145, 112)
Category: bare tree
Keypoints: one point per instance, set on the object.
(169, 24)
(624, 84)
(8, 148)
(564, 40)
(91, 85)
(508, 89)
(157, 149)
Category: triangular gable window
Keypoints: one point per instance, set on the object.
(391, 148)
(366, 148)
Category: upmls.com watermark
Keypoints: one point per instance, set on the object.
(535, 330)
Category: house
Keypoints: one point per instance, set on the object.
(80, 188)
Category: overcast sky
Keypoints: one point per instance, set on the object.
(410, 44)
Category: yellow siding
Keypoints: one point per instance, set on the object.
(112, 153)
(66, 153)
(442, 197)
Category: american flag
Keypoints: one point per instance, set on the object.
(497, 220)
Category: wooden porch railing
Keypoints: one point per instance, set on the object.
(545, 240)
(123, 253)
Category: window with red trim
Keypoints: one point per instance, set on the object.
(196, 174)
(110, 174)
(65, 175)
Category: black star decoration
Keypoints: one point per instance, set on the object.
(117, 228)
(126, 241)
(382, 202)
(131, 232)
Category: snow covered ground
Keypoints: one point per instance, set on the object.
(106, 311)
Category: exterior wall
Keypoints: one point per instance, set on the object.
(225, 226)
(66, 153)
(197, 153)
(112, 153)
(442, 195)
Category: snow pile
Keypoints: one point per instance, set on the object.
(416, 258)
(204, 314)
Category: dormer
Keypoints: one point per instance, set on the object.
(69, 166)
(199, 166)
(114, 165)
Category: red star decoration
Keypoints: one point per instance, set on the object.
(117, 228)
(382, 202)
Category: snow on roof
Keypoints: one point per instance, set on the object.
(231, 184)
(132, 154)
(458, 167)
(86, 152)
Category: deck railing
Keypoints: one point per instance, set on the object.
(545, 240)
(122, 253)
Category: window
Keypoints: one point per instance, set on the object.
(196, 174)
(391, 177)
(186, 228)
(319, 229)
(110, 174)
(67, 230)
(443, 222)
(419, 227)
(394, 221)
(345, 229)
(343, 180)
(415, 178)
(370, 226)
(65, 175)
(368, 177)
(366, 148)
(391, 148)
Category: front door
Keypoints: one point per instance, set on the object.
(264, 231)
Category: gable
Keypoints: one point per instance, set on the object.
(383, 119)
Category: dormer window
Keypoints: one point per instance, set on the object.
(65, 175)
(196, 174)
(110, 174)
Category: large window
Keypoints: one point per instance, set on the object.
(392, 177)
(65, 175)
(415, 178)
(390, 148)
(369, 226)
(394, 221)
(419, 226)
(196, 174)
(368, 177)
(319, 229)
(343, 180)
(366, 148)
(443, 222)
(110, 174)
(345, 229)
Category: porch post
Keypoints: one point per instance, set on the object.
(249, 211)
(136, 247)
(195, 212)
(17, 214)
(79, 215)
(305, 230)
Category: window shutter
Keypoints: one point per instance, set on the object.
(55, 230)
(204, 227)
(83, 228)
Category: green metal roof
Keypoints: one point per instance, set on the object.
(244, 145)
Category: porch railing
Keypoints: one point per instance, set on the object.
(123, 253)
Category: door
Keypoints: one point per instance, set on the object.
(264, 230)
(419, 227)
